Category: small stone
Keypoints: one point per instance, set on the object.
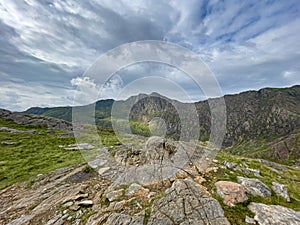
(68, 204)
(230, 165)
(151, 194)
(136, 190)
(199, 179)
(232, 193)
(214, 169)
(80, 196)
(103, 170)
(74, 207)
(249, 220)
(281, 190)
(86, 203)
(114, 195)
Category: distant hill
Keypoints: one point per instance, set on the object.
(267, 113)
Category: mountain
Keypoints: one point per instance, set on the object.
(267, 113)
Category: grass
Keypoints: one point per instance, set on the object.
(33, 154)
(260, 148)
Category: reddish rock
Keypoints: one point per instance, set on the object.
(232, 193)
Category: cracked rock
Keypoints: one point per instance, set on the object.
(274, 214)
(187, 202)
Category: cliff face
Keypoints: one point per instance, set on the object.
(250, 115)
(265, 113)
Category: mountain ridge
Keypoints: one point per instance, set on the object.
(265, 113)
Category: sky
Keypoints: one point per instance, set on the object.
(48, 45)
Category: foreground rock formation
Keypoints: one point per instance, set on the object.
(122, 190)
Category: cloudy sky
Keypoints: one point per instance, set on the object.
(47, 45)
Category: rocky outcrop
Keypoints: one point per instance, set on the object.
(274, 214)
(255, 187)
(231, 192)
(187, 202)
(36, 120)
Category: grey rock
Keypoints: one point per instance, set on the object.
(274, 214)
(250, 220)
(11, 130)
(187, 202)
(230, 165)
(136, 190)
(114, 195)
(255, 187)
(68, 204)
(36, 120)
(86, 203)
(79, 146)
(8, 142)
(118, 219)
(281, 190)
(103, 170)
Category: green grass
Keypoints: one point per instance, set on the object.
(34, 154)
(260, 148)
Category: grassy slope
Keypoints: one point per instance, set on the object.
(34, 154)
(261, 148)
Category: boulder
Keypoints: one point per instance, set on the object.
(232, 193)
(281, 190)
(255, 187)
(274, 214)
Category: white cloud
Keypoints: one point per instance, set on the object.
(87, 91)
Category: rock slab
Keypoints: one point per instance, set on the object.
(274, 214)
(187, 202)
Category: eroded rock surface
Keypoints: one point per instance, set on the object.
(187, 202)
(274, 214)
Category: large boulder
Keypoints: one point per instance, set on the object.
(255, 187)
(274, 214)
(187, 202)
(232, 193)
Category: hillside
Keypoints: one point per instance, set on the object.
(267, 113)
